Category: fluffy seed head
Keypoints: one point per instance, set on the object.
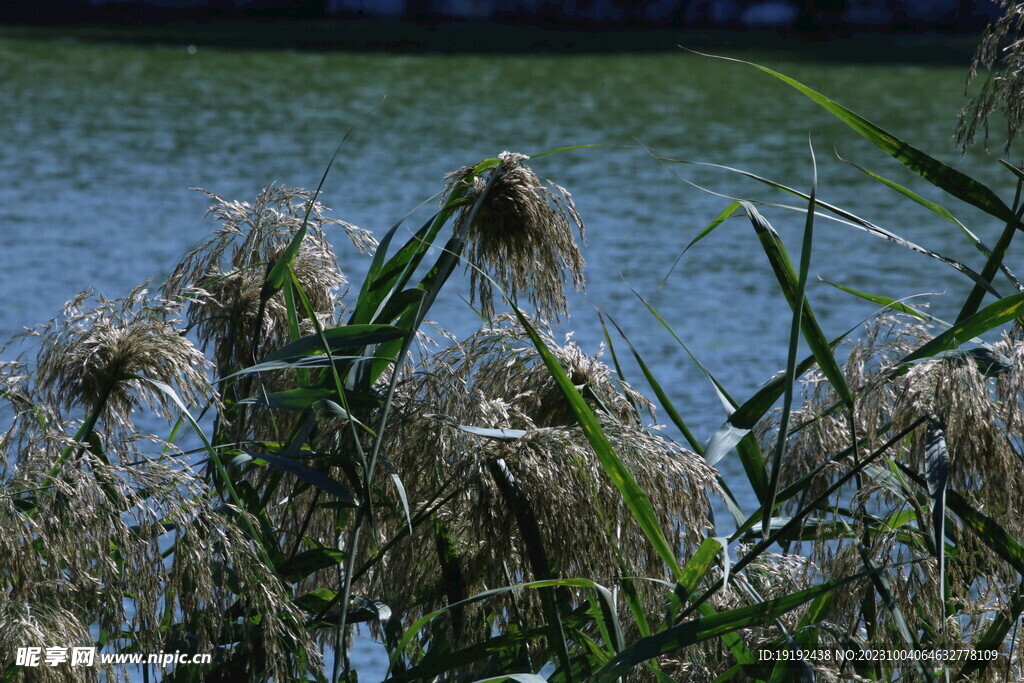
(224, 275)
(521, 236)
(496, 379)
(979, 399)
(98, 353)
(1001, 54)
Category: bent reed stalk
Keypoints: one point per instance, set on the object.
(500, 505)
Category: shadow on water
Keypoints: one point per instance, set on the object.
(841, 45)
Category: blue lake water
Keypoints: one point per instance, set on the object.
(102, 142)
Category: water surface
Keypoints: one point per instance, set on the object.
(102, 143)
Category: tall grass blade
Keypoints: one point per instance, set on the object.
(715, 626)
(798, 301)
(728, 402)
(937, 209)
(746, 446)
(659, 392)
(386, 279)
(570, 148)
(693, 574)
(723, 441)
(382, 275)
(989, 361)
(417, 625)
(806, 636)
(993, 638)
(337, 339)
(529, 530)
(607, 617)
(218, 463)
(936, 465)
(403, 497)
(305, 473)
(789, 282)
(309, 562)
(699, 565)
(993, 315)
(432, 283)
(988, 530)
(854, 221)
(452, 577)
(993, 264)
(277, 273)
(634, 497)
(1012, 169)
(742, 421)
(412, 316)
(499, 434)
(884, 590)
(618, 366)
(805, 510)
(299, 400)
(946, 178)
(887, 302)
(726, 214)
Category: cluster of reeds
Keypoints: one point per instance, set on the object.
(110, 538)
(339, 476)
(501, 506)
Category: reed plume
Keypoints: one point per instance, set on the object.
(520, 235)
(222, 278)
(102, 354)
(495, 380)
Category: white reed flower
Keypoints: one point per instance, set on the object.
(521, 235)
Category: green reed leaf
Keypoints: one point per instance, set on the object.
(385, 279)
(726, 214)
(695, 571)
(988, 530)
(309, 475)
(634, 497)
(293, 399)
(529, 531)
(663, 399)
(798, 301)
(945, 177)
(309, 562)
(746, 446)
(789, 282)
(937, 209)
(854, 221)
(500, 434)
(992, 316)
(715, 626)
(738, 425)
(993, 638)
(417, 625)
(936, 467)
(337, 338)
(277, 273)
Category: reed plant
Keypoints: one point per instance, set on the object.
(500, 507)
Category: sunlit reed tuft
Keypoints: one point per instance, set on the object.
(495, 380)
(224, 275)
(1001, 54)
(100, 352)
(521, 235)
